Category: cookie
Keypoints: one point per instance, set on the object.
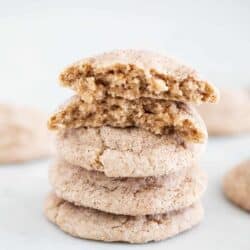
(129, 196)
(128, 152)
(230, 116)
(156, 116)
(92, 224)
(24, 135)
(132, 74)
(236, 185)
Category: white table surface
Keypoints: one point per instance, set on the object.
(38, 38)
(23, 189)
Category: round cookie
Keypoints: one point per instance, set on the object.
(129, 196)
(24, 135)
(230, 116)
(236, 185)
(96, 225)
(129, 152)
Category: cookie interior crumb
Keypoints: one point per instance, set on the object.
(117, 74)
(156, 116)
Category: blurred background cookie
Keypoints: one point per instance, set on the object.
(231, 115)
(24, 135)
(236, 185)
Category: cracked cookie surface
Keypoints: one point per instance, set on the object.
(156, 116)
(132, 74)
(129, 152)
(236, 185)
(96, 225)
(131, 196)
(24, 135)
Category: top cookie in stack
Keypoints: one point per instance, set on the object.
(128, 144)
(132, 74)
(135, 88)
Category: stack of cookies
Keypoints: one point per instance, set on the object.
(127, 148)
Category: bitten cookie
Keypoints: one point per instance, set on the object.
(157, 116)
(230, 116)
(24, 135)
(96, 225)
(128, 152)
(129, 196)
(132, 74)
(236, 185)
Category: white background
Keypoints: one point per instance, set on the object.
(39, 38)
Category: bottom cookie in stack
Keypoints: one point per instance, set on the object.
(93, 224)
(90, 205)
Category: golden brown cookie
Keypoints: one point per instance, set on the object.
(156, 116)
(92, 224)
(132, 74)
